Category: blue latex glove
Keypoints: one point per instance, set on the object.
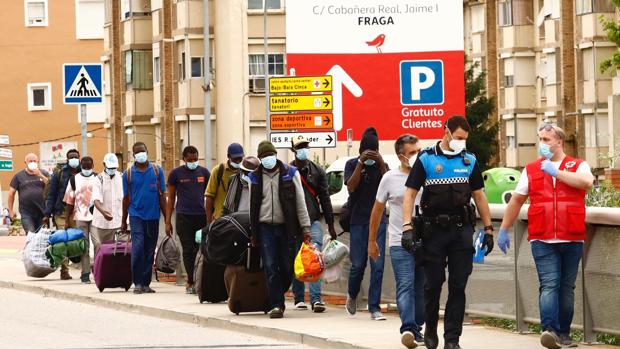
(503, 240)
(547, 167)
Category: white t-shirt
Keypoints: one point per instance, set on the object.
(524, 189)
(392, 191)
(81, 197)
(108, 190)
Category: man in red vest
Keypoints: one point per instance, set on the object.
(556, 185)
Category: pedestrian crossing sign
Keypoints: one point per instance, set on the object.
(82, 83)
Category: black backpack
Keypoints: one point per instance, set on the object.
(227, 239)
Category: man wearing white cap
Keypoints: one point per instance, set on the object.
(108, 199)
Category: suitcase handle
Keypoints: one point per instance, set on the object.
(117, 243)
(248, 263)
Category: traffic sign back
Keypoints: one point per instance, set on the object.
(82, 83)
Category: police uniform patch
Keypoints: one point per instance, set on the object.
(438, 168)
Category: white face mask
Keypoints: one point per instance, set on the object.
(32, 166)
(412, 160)
(457, 146)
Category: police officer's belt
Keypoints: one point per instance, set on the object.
(444, 219)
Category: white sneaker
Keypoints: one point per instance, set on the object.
(408, 340)
(377, 316)
(301, 306)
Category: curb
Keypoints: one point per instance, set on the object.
(203, 321)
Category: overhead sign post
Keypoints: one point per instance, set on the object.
(382, 74)
(83, 84)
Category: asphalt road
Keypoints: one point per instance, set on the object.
(30, 321)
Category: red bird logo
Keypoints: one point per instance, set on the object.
(377, 42)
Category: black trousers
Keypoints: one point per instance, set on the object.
(450, 246)
(186, 229)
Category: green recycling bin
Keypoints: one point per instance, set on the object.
(499, 184)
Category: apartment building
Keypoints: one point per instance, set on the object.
(542, 59)
(38, 37)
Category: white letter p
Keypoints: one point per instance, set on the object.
(417, 85)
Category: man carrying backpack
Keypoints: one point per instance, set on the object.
(314, 182)
(144, 198)
(218, 183)
(55, 206)
(78, 198)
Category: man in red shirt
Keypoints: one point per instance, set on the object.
(556, 185)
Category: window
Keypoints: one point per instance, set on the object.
(522, 12)
(156, 70)
(593, 6)
(509, 81)
(139, 69)
(36, 13)
(39, 96)
(89, 19)
(133, 8)
(504, 8)
(257, 69)
(197, 63)
(182, 67)
(259, 5)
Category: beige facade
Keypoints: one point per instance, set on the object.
(547, 54)
(38, 36)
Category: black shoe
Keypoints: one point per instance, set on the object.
(318, 307)
(430, 338)
(138, 290)
(452, 345)
(276, 313)
(148, 289)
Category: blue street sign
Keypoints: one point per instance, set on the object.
(82, 83)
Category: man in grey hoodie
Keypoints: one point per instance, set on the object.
(278, 216)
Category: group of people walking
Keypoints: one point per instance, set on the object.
(430, 226)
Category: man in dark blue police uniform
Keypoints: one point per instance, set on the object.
(442, 233)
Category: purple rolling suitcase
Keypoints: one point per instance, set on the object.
(112, 266)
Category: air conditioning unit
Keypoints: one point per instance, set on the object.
(257, 84)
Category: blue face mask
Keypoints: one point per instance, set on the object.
(245, 178)
(369, 162)
(74, 163)
(269, 162)
(192, 165)
(110, 171)
(141, 157)
(87, 173)
(302, 154)
(545, 150)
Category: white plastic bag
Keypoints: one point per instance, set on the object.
(334, 251)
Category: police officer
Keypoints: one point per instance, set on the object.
(442, 233)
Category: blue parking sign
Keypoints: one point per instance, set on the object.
(82, 83)
(421, 82)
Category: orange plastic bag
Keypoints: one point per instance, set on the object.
(308, 263)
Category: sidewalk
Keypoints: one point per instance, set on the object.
(332, 329)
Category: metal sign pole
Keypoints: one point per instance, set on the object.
(207, 87)
(267, 92)
(83, 128)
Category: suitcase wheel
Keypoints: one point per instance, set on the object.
(126, 289)
(100, 290)
(237, 313)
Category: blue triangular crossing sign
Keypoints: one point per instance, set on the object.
(82, 83)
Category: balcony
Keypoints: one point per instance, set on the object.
(189, 14)
(190, 93)
(589, 26)
(514, 37)
(137, 30)
(138, 103)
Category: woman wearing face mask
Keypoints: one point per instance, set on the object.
(186, 185)
(278, 216)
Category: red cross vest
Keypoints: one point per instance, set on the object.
(555, 212)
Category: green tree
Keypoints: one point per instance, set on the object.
(482, 140)
(612, 28)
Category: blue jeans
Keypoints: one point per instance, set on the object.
(299, 289)
(557, 266)
(278, 253)
(409, 290)
(359, 259)
(31, 223)
(144, 235)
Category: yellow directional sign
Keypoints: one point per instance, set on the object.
(296, 84)
(300, 103)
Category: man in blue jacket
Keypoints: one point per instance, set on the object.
(55, 206)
